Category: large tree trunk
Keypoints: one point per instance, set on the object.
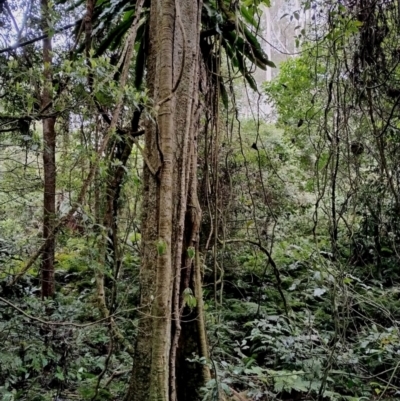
(171, 215)
(49, 163)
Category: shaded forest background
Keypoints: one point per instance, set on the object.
(297, 254)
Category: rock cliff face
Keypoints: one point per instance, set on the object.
(278, 32)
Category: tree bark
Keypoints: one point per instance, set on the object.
(49, 164)
(171, 215)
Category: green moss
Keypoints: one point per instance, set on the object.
(70, 262)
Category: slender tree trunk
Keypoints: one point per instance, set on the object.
(171, 213)
(49, 163)
(116, 174)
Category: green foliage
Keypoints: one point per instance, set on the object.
(306, 214)
(161, 247)
(242, 44)
(191, 252)
(262, 350)
(189, 299)
(73, 358)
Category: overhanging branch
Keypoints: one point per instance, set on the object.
(29, 42)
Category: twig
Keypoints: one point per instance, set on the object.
(270, 260)
(390, 380)
(116, 374)
(12, 17)
(152, 170)
(50, 323)
(239, 396)
(106, 362)
(28, 42)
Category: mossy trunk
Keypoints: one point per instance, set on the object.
(171, 215)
